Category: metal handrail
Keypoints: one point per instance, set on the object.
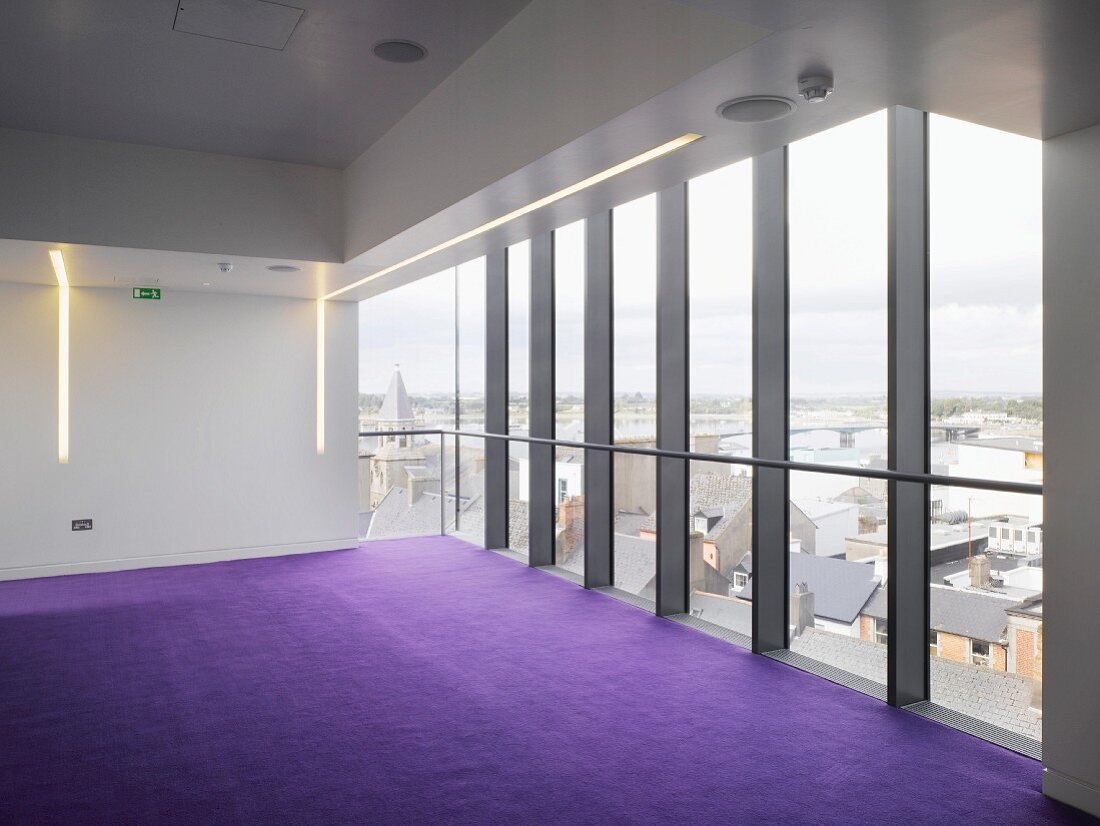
(781, 464)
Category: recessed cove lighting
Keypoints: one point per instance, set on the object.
(756, 108)
(572, 189)
(399, 51)
(283, 268)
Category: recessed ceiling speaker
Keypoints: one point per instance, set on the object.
(399, 51)
(756, 108)
(283, 268)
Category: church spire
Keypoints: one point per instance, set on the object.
(396, 406)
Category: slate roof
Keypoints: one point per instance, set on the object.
(713, 493)
(636, 565)
(975, 614)
(840, 588)
(629, 524)
(729, 613)
(395, 517)
(517, 525)
(396, 406)
(1016, 443)
(994, 696)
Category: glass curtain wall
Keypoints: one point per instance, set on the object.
(519, 337)
(986, 423)
(838, 388)
(720, 402)
(406, 381)
(469, 461)
(986, 414)
(634, 298)
(569, 271)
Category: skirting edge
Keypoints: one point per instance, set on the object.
(1076, 793)
(168, 560)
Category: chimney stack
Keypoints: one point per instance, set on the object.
(802, 608)
(697, 571)
(979, 571)
(417, 483)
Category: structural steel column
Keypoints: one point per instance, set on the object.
(907, 515)
(496, 398)
(541, 485)
(770, 402)
(598, 402)
(672, 400)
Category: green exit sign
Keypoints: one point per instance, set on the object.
(147, 292)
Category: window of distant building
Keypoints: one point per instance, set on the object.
(880, 631)
(934, 643)
(740, 580)
(563, 490)
(979, 653)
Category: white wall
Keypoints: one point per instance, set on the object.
(192, 430)
(833, 528)
(80, 191)
(1071, 447)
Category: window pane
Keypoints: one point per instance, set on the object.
(720, 381)
(838, 572)
(634, 253)
(406, 380)
(470, 468)
(569, 330)
(569, 268)
(838, 319)
(838, 384)
(987, 421)
(519, 336)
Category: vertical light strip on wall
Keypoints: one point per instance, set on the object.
(321, 377)
(58, 261)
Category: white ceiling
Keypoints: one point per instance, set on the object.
(28, 262)
(1018, 65)
(1025, 66)
(117, 71)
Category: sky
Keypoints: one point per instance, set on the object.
(986, 290)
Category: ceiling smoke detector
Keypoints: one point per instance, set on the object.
(225, 266)
(756, 108)
(399, 51)
(815, 88)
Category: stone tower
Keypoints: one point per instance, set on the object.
(395, 451)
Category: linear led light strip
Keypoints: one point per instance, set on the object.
(321, 377)
(58, 261)
(599, 177)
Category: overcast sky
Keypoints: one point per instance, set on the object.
(986, 289)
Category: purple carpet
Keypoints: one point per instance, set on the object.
(426, 681)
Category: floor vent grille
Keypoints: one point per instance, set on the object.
(831, 673)
(576, 579)
(724, 634)
(514, 555)
(1018, 743)
(629, 598)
